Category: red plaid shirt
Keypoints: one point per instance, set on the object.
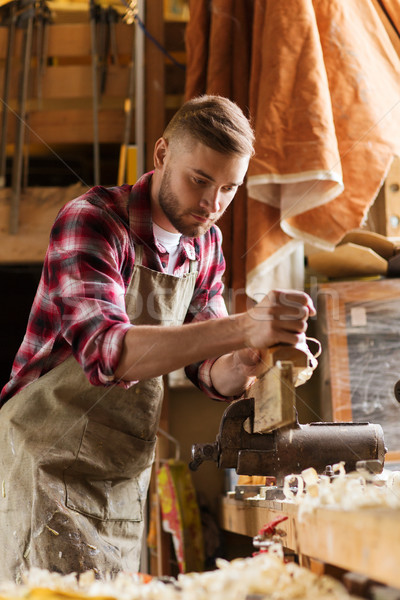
(79, 306)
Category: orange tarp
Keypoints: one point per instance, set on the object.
(322, 82)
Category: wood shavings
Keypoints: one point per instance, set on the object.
(288, 483)
(53, 531)
(264, 574)
(348, 491)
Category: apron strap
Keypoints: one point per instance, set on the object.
(139, 258)
(138, 254)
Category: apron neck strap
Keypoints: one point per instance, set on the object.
(139, 259)
(138, 254)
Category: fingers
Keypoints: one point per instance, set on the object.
(291, 307)
(285, 336)
(282, 316)
(292, 304)
(292, 311)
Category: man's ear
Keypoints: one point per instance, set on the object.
(160, 152)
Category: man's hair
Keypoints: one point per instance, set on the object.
(216, 122)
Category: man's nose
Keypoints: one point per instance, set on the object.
(211, 200)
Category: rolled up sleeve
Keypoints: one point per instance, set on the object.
(85, 282)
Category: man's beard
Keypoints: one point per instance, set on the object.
(169, 203)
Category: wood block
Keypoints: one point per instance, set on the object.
(274, 397)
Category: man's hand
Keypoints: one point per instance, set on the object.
(280, 318)
(246, 361)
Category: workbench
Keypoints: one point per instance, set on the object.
(364, 541)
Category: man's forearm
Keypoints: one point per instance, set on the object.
(149, 351)
(281, 317)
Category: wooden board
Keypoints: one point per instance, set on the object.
(247, 518)
(275, 399)
(73, 81)
(39, 208)
(71, 40)
(366, 541)
(74, 126)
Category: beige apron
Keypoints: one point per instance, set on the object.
(75, 459)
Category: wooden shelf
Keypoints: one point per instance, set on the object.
(364, 541)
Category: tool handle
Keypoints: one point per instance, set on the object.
(281, 352)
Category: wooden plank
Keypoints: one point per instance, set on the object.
(247, 518)
(365, 541)
(68, 39)
(71, 40)
(72, 81)
(57, 104)
(72, 127)
(39, 208)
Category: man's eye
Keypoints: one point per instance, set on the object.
(198, 181)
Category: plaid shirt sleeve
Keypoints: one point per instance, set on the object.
(79, 305)
(208, 303)
(83, 277)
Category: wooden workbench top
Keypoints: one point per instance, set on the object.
(365, 541)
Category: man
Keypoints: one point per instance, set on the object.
(131, 289)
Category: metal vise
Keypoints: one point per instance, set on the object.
(288, 449)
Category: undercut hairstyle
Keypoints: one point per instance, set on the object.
(216, 122)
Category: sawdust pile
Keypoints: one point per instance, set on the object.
(264, 576)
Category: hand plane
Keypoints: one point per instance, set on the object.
(260, 434)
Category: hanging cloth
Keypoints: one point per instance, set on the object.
(323, 87)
